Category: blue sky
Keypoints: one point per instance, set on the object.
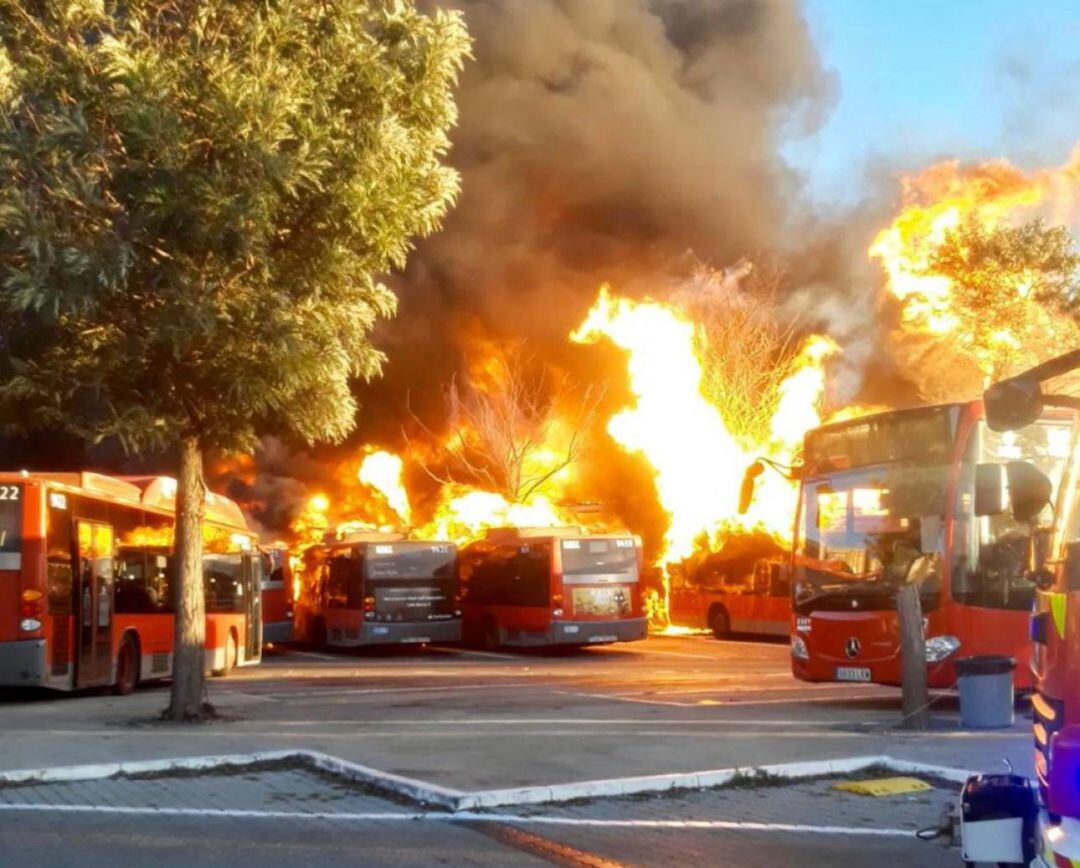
(919, 80)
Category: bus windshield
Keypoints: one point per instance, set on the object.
(866, 531)
(600, 557)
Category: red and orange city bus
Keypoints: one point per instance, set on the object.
(915, 495)
(551, 586)
(374, 588)
(278, 595)
(744, 588)
(86, 570)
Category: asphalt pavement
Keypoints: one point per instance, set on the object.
(473, 721)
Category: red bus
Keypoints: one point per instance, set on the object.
(551, 586)
(715, 596)
(278, 595)
(378, 589)
(86, 570)
(920, 496)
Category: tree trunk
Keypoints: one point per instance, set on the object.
(912, 658)
(189, 637)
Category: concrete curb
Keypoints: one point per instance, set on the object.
(426, 793)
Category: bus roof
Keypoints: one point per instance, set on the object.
(152, 492)
(511, 534)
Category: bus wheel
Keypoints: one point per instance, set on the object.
(492, 639)
(127, 667)
(719, 623)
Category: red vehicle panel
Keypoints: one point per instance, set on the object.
(552, 586)
(758, 604)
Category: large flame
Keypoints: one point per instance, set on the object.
(946, 196)
(383, 472)
(698, 463)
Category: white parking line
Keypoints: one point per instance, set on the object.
(315, 656)
(460, 817)
(471, 652)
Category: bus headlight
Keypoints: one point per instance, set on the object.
(940, 647)
(29, 625)
(556, 613)
(798, 648)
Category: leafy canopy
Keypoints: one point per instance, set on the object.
(1014, 291)
(197, 200)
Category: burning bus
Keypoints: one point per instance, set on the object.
(552, 586)
(917, 495)
(744, 588)
(376, 588)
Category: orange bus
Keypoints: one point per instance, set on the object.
(552, 586)
(86, 570)
(277, 595)
(914, 496)
(718, 596)
(373, 588)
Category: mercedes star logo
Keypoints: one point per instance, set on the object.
(852, 647)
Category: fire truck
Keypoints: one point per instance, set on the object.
(1054, 563)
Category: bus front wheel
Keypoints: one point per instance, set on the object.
(492, 639)
(719, 623)
(318, 634)
(127, 667)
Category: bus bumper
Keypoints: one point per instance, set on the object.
(22, 664)
(596, 632)
(406, 633)
(278, 631)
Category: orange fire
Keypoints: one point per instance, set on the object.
(697, 461)
(945, 197)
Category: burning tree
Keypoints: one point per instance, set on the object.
(196, 199)
(746, 347)
(514, 427)
(1011, 288)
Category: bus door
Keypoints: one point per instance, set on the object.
(94, 603)
(253, 606)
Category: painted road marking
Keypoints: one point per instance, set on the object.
(460, 817)
(315, 656)
(471, 652)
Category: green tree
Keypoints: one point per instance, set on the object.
(1013, 290)
(196, 202)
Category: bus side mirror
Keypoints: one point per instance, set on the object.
(991, 494)
(746, 493)
(1029, 489)
(1012, 404)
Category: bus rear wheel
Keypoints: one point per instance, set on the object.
(127, 668)
(719, 623)
(492, 639)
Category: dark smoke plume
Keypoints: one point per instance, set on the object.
(602, 140)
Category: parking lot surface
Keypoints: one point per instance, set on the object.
(292, 815)
(476, 721)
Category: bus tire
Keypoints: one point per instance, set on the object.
(719, 622)
(127, 666)
(492, 639)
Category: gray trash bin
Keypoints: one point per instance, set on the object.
(986, 690)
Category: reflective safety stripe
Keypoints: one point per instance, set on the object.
(1057, 610)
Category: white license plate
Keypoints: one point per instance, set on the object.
(603, 638)
(852, 673)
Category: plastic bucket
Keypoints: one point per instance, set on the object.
(986, 691)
